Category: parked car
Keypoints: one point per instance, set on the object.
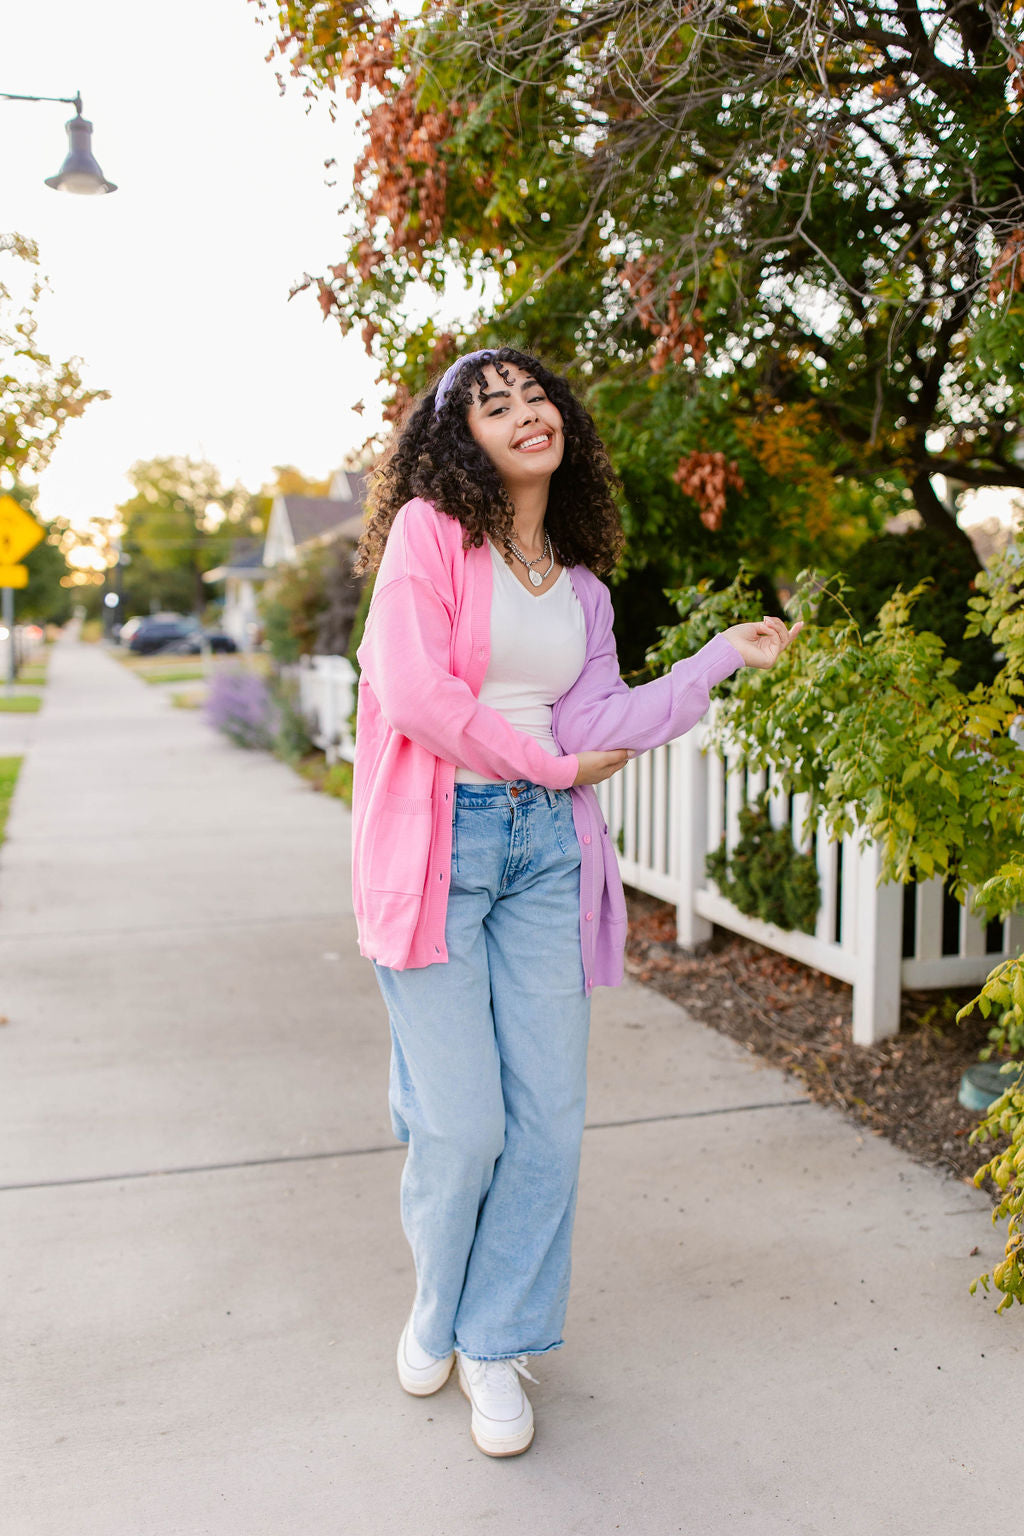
(192, 644)
(156, 631)
(123, 632)
(172, 634)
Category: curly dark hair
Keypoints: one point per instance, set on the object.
(436, 457)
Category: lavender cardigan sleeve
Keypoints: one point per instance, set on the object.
(600, 712)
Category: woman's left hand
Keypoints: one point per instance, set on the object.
(762, 644)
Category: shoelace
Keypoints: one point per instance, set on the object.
(500, 1375)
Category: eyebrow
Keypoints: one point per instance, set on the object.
(503, 394)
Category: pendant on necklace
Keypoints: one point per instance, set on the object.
(537, 578)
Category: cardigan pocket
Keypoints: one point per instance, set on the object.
(402, 845)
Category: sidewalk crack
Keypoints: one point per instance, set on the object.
(322, 1157)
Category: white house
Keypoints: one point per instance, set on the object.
(242, 573)
(296, 524)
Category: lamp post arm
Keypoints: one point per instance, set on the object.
(71, 101)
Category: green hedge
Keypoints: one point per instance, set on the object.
(892, 560)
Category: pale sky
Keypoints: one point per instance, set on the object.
(174, 288)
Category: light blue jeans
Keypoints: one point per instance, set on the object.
(488, 1080)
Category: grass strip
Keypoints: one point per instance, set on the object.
(21, 704)
(8, 778)
(172, 675)
(179, 669)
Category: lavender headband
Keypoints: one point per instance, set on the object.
(448, 378)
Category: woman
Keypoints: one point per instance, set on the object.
(486, 889)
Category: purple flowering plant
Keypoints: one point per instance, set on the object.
(239, 704)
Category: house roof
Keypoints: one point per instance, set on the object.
(245, 552)
(245, 559)
(300, 523)
(310, 517)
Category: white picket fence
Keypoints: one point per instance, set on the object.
(669, 808)
(327, 697)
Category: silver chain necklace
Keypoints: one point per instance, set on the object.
(546, 554)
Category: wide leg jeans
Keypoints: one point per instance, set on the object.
(488, 1080)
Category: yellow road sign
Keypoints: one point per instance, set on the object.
(18, 534)
(13, 575)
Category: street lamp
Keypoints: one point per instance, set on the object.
(80, 172)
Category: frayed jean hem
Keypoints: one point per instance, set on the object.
(516, 1354)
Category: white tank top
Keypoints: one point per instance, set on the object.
(538, 647)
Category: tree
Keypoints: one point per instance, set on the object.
(791, 207)
(178, 524)
(309, 608)
(37, 396)
(46, 598)
(289, 481)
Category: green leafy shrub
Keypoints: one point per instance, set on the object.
(942, 569)
(766, 876)
(291, 739)
(337, 781)
(310, 608)
(291, 608)
(1003, 992)
(1003, 995)
(1005, 1118)
(704, 611)
(355, 638)
(879, 730)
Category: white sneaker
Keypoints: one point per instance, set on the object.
(502, 1421)
(420, 1373)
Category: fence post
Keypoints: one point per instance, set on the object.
(689, 795)
(329, 717)
(879, 951)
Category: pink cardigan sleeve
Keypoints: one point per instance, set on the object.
(405, 658)
(600, 712)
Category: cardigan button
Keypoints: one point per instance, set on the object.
(586, 837)
(590, 917)
(590, 981)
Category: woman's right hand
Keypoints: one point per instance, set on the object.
(595, 767)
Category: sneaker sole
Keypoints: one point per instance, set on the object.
(511, 1445)
(428, 1387)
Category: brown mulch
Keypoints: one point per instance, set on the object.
(904, 1088)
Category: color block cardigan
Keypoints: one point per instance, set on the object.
(423, 657)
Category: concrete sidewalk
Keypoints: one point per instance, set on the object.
(202, 1272)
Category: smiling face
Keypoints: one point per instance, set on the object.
(517, 426)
